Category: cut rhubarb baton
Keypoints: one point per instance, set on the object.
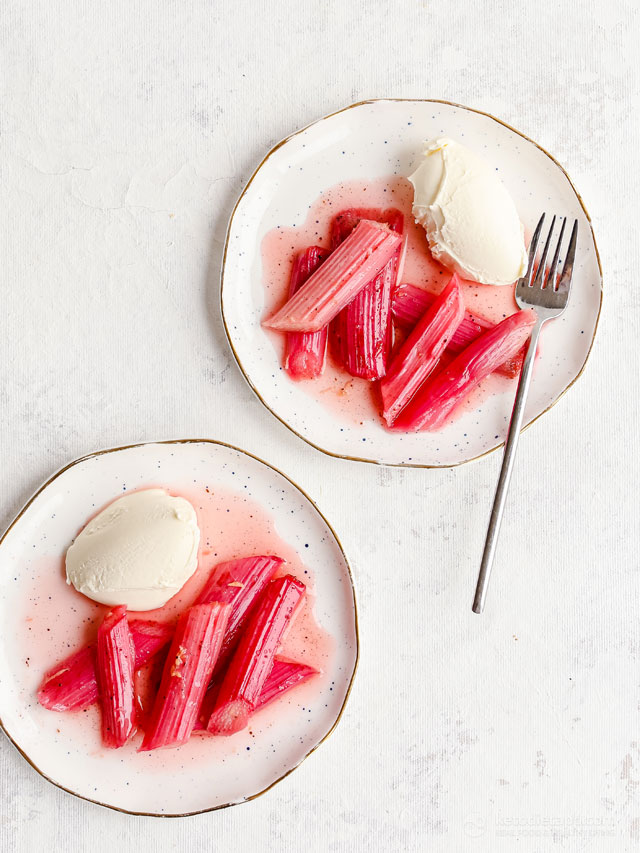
(149, 638)
(239, 583)
(421, 351)
(340, 278)
(433, 404)
(409, 303)
(305, 352)
(115, 665)
(253, 660)
(344, 222)
(362, 330)
(71, 685)
(187, 672)
(283, 677)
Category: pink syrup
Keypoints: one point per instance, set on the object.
(58, 620)
(350, 399)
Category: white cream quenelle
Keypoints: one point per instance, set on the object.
(471, 221)
(139, 551)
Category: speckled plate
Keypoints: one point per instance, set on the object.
(207, 773)
(371, 140)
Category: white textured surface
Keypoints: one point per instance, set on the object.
(127, 131)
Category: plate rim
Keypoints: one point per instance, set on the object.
(351, 106)
(325, 737)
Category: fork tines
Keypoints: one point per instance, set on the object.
(538, 274)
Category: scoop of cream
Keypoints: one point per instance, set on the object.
(139, 551)
(471, 221)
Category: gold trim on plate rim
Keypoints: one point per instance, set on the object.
(355, 617)
(226, 248)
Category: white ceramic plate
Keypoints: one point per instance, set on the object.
(371, 140)
(216, 771)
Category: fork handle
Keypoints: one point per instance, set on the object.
(505, 472)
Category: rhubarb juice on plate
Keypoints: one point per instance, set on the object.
(351, 398)
(57, 621)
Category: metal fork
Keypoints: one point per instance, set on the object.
(548, 295)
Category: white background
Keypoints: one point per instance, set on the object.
(127, 132)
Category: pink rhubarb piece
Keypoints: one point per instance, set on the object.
(421, 351)
(115, 665)
(305, 353)
(72, 685)
(240, 583)
(362, 331)
(253, 660)
(433, 404)
(283, 677)
(186, 675)
(338, 280)
(409, 303)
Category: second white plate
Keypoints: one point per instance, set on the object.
(44, 620)
(371, 140)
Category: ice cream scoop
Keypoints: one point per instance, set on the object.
(471, 221)
(139, 551)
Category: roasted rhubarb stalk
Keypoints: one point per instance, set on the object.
(283, 677)
(362, 330)
(421, 351)
(115, 665)
(409, 303)
(186, 675)
(344, 222)
(71, 685)
(239, 583)
(338, 280)
(432, 405)
(305, 353)
(149, 638)
(252, 662)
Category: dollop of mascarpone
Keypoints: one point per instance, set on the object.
(471, 221)
(139, 551)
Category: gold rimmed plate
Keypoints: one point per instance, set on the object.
(370, 141)
(44, 620)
